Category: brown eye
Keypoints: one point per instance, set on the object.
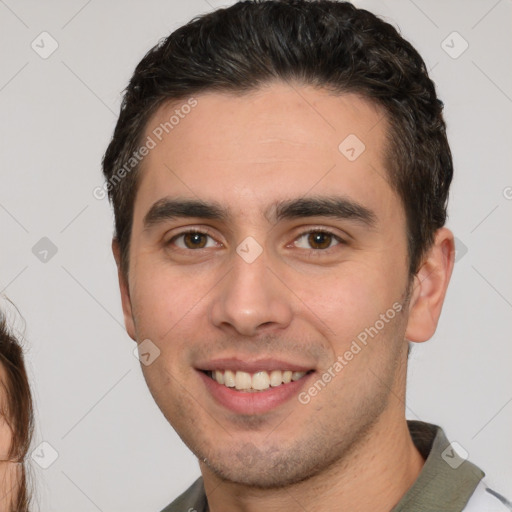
(318, 240)
(192, 240)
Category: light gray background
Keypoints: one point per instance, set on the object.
(115, 450)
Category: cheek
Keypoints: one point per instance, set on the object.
(5, 438)
(162, 301)
(351, 298)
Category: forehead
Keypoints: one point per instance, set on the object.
(281, 139)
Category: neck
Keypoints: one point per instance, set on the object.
(374, 476)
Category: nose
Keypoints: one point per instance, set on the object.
(251, 299)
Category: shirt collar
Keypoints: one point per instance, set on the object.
(446, 481)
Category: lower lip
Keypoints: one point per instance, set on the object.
(257, 402)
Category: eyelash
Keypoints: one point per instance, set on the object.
(324, 231)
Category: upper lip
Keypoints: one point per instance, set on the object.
(246, 365)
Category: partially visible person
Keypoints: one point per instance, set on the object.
(16, 423)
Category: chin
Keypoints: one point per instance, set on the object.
(271, 469)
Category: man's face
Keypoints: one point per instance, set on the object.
(270, 287)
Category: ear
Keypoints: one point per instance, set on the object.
(429, 287)
(125, 292)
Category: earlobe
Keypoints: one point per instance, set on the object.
(125, 292)
(429, 287)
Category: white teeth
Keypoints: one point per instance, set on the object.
(229, 378)
(243, 380)
(276, 378)
(259, 381)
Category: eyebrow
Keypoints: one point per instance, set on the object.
(169, 209)
(337, 207)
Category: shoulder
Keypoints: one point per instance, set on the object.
(192, 500)
(485, 499)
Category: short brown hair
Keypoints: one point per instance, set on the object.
(327, 44)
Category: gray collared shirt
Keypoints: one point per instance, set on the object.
(445, 483)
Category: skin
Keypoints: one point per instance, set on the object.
(9, 473)
(349, 448)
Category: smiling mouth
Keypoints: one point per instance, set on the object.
(254, 382)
